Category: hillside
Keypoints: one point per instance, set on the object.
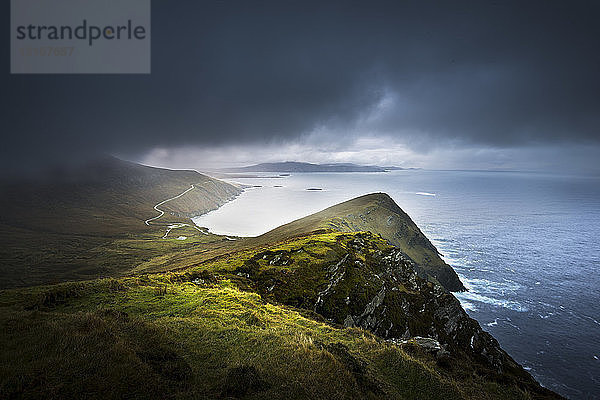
(107, 196)
(379, 214)
(89, 222)
(345, 303)
(329, 315)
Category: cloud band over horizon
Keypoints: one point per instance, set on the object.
(457, 84)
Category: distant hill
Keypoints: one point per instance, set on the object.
(291, 166)
(108, 197)
(76, 223)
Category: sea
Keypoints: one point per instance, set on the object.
(525, 244)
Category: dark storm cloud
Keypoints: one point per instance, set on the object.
(485, 73)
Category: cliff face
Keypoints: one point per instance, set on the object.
(357, 280)
(379, 214)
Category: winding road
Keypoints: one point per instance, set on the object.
(147, 222)
(161, 213)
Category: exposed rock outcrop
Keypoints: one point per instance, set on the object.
(360, 281)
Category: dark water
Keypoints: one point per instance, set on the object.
(526, 245)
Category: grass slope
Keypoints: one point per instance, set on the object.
(213, 331)
(90, 223)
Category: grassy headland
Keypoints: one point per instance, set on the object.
(254, 324)
(352, 302)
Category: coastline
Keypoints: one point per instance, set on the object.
(509, 295)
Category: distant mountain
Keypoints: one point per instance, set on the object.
(394, 168)
(291, 166)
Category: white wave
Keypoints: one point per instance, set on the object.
(488, 287)
(493, 288)
(591, 319)
(509, 304)
(467, 305)
(426, 194)
(493, 323)
(508, 321)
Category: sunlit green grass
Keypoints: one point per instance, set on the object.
(186, 339)
(199, 333)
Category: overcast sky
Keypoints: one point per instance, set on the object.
(448, 84)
